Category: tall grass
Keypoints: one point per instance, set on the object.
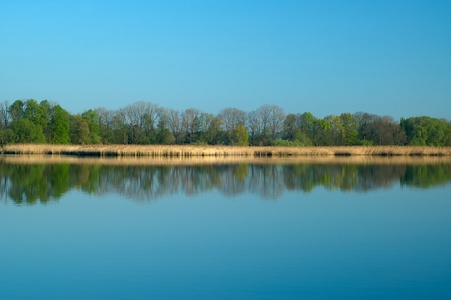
(220, 151)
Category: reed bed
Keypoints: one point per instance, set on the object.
(184, 151)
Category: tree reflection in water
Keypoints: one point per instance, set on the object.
(32, 183)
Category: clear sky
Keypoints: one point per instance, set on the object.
(326, 57)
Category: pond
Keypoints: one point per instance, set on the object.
(259, 229)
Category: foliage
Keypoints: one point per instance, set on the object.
(147, 123)
(6, 136)
(91, 118)
(376, 130)
(79, 130)
(347, 125)
(210, 129)
(240, 136)
(59, 126)
(25, 131)
(427, 131)
(164, 135)
(16, 110)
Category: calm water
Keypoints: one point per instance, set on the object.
(238, 231)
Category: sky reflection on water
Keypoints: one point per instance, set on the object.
(321, 243)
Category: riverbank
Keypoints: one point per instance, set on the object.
(218, 151)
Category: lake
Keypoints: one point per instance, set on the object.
(258, 229)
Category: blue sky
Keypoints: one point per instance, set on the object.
(326, 57)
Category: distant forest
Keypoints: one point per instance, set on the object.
(27, 121)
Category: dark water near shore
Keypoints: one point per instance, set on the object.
(258, 231)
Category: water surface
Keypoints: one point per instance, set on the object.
(258, 231)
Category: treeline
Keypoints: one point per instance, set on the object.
(148, 123)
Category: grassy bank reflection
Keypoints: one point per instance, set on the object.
(32, 180)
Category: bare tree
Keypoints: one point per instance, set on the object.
(119, 124)
(142, 118)
(231, 118)
(379, 130)
(268, 120)
(276, 118)
(175, 125)
(290, 129)
(4, 115)
(265, 124)
(190, 123)
(142, 114)
(389, 132)
(164, 135)
(253, 125)
(264, 115)
(106, 118)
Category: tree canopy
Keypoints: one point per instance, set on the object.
(27, 121)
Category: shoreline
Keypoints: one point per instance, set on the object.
(199, 161)
(212, 151)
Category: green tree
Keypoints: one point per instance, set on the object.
(25, 131)
(210, 129)
(59, 126)
(366, 129)
(47, 112)
(306, 122)
(426, 131)
(35, 113)
(6, 136)
(240, 136)
(290, 129)
(323, 133)
(335, 134)
(16, 110)
(348, 126)
(91, 118)
(28, 121)
(79, 130)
